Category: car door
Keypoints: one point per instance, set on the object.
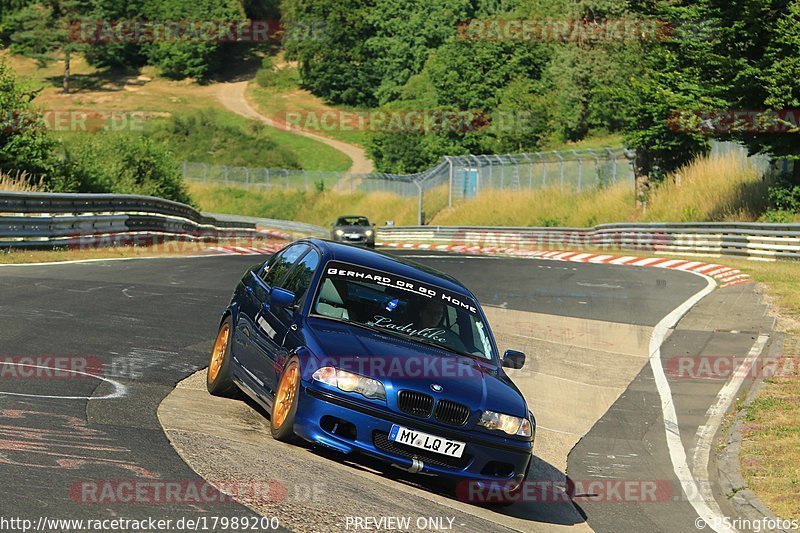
(254, 335)
(275, 324)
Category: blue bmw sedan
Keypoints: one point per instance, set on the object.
(363, 352)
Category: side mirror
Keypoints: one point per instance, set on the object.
(281, 297)
(513, 359)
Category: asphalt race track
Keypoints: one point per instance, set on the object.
(128, 331)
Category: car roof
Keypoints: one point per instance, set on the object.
(388, 263)
(352, 216)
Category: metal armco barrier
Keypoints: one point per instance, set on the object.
(42, 220)
(752, 240)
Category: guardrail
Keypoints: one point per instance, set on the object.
(44, 220)
(751, 240)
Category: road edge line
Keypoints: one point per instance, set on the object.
(709, 512)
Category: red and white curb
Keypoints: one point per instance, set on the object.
(725, 276)
(275, 234)
(245, 250)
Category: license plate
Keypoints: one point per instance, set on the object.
(354, 236)
(425, 441)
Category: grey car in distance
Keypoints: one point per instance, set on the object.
(354, 229)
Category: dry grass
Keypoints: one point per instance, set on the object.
(715, 189)
(315, 208)
(544, 207)
(19, 183)
(709, 189)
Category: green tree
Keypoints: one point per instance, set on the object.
(44, 30)
(194, 58)
(682, 73)
(24, 141)
(329, 39)
(761, 39)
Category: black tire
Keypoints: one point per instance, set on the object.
(218, 382)
(284, 431)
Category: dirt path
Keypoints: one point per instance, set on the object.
(233, 96)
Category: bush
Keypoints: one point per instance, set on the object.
(25, 145)
(122, 164)
(280, 79)
(208, 135)
(785, 196)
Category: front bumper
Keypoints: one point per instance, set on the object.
(362, 240)
(348, 426)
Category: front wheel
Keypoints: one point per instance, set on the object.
(284, 408)
(218, 381)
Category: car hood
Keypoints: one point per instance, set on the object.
(407, 365)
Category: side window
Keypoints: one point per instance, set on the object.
(299, 279)
(282, 264)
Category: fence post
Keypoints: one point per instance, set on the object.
(502, 171)
(419, 203)
(544, 169)
(596, 168)
(247, 177)
(613, 157)
(561, 163)
(580, 169)
(530, 171)
(450, 187)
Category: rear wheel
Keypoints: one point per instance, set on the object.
(218, 379)
(284, 408)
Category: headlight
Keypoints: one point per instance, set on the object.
(511, 425)
(368, 233)
(367, 387)
(339, 232)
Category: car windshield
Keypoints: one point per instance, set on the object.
(353, 221)
(403, 307)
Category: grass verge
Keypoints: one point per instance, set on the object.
(142, 102)
(284, 99)
(321, 208)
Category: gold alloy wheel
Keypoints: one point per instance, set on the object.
(218, 353)
(286, 392)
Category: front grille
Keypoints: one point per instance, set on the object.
(382, 442)
(451, 413)
(415, 403)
